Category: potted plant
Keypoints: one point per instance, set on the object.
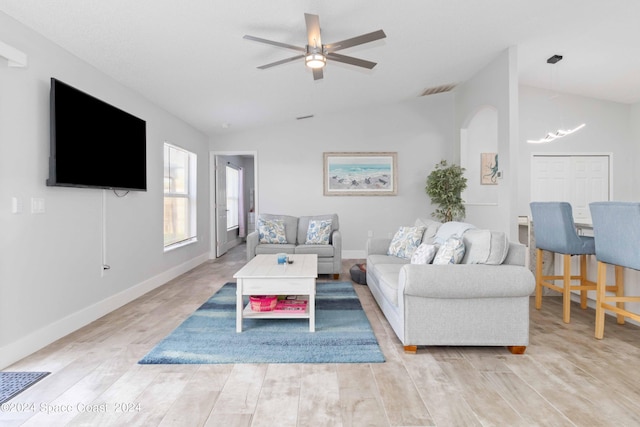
(444, 186)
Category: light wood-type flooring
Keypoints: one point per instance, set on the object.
(566, 377)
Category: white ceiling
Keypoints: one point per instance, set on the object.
(189, 57)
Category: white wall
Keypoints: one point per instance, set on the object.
(495, 86)
(422, 130)
(50, 264)
(480, 136)
(609, 129)
(634, 119)
(290, 169)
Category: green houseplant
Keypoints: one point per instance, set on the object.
(445, 185)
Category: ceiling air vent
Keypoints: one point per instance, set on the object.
(304, 117)
(437, 89)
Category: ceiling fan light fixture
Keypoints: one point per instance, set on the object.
(315, 60)
(316, 54)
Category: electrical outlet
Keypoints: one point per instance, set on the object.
(16, 205)
(37, 205)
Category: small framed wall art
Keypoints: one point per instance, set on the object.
(489, 168)
(360, 174)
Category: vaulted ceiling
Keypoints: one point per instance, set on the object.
(190, 57)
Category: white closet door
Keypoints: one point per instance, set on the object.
(576, 179)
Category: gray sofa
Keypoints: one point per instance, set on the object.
(296, 228)
(483, 301)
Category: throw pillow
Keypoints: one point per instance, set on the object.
(451, 252)
(271, 231)
(424, 254)
(485, 247)
(499, 248)
(405, 242)
(318, 232)
(431, 228)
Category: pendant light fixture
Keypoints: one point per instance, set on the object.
(552, 136)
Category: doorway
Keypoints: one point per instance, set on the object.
(224, 234)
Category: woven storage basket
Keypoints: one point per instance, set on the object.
(263, 302)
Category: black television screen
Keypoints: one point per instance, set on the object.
(94, 144)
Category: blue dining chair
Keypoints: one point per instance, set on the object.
(616, 228)
(555, 231)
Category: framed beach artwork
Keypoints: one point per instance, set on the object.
(360, 174)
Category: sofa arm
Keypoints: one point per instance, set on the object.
(378, 245)
(516, 255)
(252, 243)
(466, 281)
(336, 241)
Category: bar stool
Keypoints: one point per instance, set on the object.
(616, 228)
(555, 231)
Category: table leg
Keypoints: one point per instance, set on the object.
(239, 306)
(312, 312)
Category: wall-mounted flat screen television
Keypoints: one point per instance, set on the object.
(94, 144)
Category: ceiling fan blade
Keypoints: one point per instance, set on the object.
(351, 60)
(282, 61)
(313, 30)
(279, 44)
(355, 41)
(317, 73)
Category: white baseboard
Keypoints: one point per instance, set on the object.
(33, 342)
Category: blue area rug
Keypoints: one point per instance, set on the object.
(14, 383)
(343, 333)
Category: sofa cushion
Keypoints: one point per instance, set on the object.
(451, 252)
(303, 225)
(271, 231)
(431, 228)
(485, 247)
(374, 261)
(424, 254)
(275, 248)
(387, 276)
(323, 251)
(405, 242)
(451, 229)
(290, 225)
(318, 232)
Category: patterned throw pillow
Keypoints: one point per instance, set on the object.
(424, 254)
(318, 232)
(405, 242)
(451, 252)
(271, 231)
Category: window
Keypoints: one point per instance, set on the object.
(233, 197)
(179, 196)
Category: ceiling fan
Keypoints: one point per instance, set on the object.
(316, 54)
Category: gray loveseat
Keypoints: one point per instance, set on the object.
(483, 301)
(295, 240)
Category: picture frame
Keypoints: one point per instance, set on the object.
(360, 174)
(489, 173)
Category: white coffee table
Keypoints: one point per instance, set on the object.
(264, 276)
